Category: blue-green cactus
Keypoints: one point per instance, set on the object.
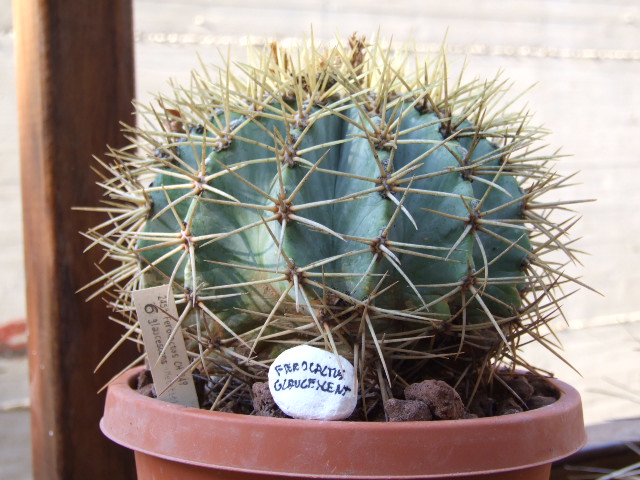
(341, 201)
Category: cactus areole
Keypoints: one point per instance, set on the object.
(354, 198)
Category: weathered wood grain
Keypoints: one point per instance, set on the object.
(75, 82)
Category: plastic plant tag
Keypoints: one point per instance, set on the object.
(310, 383)
(158, 316)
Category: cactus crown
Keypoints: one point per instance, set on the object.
(353, 198)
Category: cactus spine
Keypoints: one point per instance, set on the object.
(336, 197)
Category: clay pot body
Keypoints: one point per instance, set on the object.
(172, 442)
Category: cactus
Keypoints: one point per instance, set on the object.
(336, 197)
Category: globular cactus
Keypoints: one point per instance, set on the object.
(352, 198)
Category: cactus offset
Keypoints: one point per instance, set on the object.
(330, 197)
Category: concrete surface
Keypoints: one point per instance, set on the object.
(585, 57)
(15, 439)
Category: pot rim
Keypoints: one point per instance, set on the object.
(326, 449)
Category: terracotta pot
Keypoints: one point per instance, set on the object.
(175, 442)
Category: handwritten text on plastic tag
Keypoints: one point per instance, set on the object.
(158, 316)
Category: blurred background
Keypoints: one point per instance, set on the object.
(583, 60)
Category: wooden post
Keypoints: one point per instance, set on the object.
(75, 83)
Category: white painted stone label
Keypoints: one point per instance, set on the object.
(312, 384)
(158, 315)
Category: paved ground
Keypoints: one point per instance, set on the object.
(15, 453)
(585, 57)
